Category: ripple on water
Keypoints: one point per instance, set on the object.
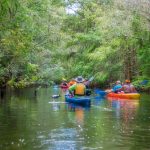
(63, 133)
(102, 108)
(62, 139)
(60, 144)
(91, 148)
(41, 137)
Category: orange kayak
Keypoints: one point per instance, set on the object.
(124, 95)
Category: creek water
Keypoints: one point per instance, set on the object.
(30, 120)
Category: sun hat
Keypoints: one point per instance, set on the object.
(80, 79)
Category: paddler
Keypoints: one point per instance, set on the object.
(79, 88)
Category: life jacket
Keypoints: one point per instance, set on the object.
(80, 89)
(128, 88)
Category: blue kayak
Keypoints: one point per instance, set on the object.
(80, 100)
(100, 92)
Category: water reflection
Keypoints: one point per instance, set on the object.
(79, 112)
(98, 100)
(62, 139)
(68, 135)
(124, 108)
(55, 90)
(55, 106)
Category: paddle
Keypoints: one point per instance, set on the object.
(87, 84)
(91, 79)
(88, 81)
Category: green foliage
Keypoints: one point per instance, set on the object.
(138, 82)
(106, 43)
(41, 43)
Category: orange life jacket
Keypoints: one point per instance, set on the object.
(80, 89)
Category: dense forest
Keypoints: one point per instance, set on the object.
(43, 41)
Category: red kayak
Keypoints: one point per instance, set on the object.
(64, 86)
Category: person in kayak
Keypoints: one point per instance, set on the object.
(64, 83)
(79, 88)
(128, 87)
(117, 88)
(72, 82)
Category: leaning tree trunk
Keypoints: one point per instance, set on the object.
(134, 65)
(130, 63)
(127, 65)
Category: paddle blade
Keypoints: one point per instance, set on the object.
(91, 78)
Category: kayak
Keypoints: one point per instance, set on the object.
(88, 92)
(100, 92)
(80, 100)
(124, 95)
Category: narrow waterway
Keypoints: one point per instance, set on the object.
(36, 121)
